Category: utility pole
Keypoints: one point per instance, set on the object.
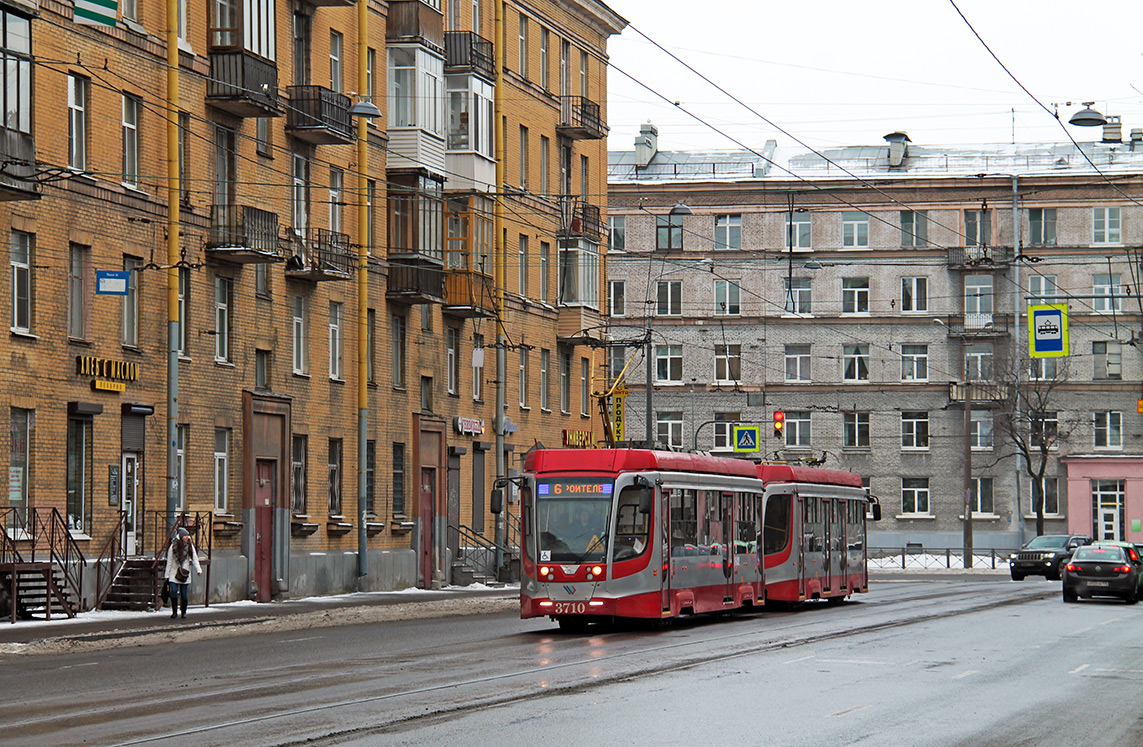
(967, 471)
(173, 219)
(498, 242)
(362, 292)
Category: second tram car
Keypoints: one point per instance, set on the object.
(631, 533)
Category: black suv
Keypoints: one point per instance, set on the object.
(1045, 555)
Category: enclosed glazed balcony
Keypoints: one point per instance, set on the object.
(979, 257)
(242, 234)
(319, 115)
(468, 294)
(580, 119)
(18, 155)
(415, 279)
(243, 84)
(415, 21)
(332, 3)
(319, 254)
(578, 325)
(468, 52)
(580, 218)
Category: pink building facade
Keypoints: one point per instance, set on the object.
(1105, 496)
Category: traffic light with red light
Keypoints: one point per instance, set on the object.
(779, 422)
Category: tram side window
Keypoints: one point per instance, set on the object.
(631, 524)
(717, 506)
(746, 537)
(776, 535)
(857, 522)
(684, 521)
(813, 531)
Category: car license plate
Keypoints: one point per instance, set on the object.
(1097, 583)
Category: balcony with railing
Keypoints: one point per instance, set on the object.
(980, 325)
(319, 115)
(319, 254)
(978, 391)
(242, 234)
(415, 21)
(468, 293)
(580, 218)
(415, 279)
(580, 119)
(243, 84)
(468, 52)
(979, 257)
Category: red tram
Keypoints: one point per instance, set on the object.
(630, 533)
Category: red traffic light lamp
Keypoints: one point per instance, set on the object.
(779, 422)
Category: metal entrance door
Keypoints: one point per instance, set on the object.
(129, 502)
(428, 515)
(264, 528)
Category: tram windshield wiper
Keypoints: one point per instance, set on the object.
(599, 541)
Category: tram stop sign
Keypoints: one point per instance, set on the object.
(1048, 330)
(746, 437)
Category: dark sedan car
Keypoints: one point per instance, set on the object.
(1103, 571)
(1045, 555)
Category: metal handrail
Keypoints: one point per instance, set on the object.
(111, 560)
(9, 553)
(512, 531)
(200, 524)
(478, 547)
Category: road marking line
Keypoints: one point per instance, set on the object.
(851, 661)
(848, 711)
(87, 664)
(1079, 669)
(307, 638)
(1080, 631)
(969, 673)
(795, 661)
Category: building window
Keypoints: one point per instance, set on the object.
(523, 379)
(724, 423)
(452, 354)
(1042, 226)
(855, 363)
(855, 295)
(915, 495)
(977, 227)
(797, 295)
(523, 157)
(335, 477)
(263, 145)
(132, 109)
(182, 439)
(22, 425)
(262, 361)
(978, 361)
(980, 496)
(579, 274)
(670, 298)
(668, 364)
(798, 363)
(855, 230)
(79, 474)
(335, 341)
(617, 298)
(1106, 225)
(728, 232)
(371, 73)
(336, 42)
(184, 156)
(262, 280)
(371, 477)
(1046, 494)
(584, 387)
(914, 363)
(522, 50)
(617, 233)
(545, 269)
(1108, 293)
(221, 470)
(914, 294)
(522, 266)
(914, 430)
(1108, 430)
(980, 431)
(914, 228)
(545, 40)
(1045, 427)
(399, 479)
(370, 344)
(298, 463)
(1043, 289)
(726, 298)
(184, 312)
(1108, 360)
(855, 430)
(727, 364)
(1043, 369)
(798, 235)
(668, 232)
(470, 114)
(797, 428)
(77, 92)
(545, 163)
(978, 301)
(616, 360)
(21, 257)
(426, 394)
(16, 48)
(426, 318)
(565, 382)
(545, 364)
(397, 331)
(415, 89)
(299, 334)
(223, 289)
(669, 429)
(79, 290)
(478, 367)
(336, 186)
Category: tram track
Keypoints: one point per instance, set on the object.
(473, 694)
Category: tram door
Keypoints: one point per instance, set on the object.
(800, 534)
(664, 510)
(827, 548)
(726, 511)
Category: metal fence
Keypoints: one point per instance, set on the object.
(917, 557)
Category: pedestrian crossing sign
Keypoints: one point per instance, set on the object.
(746, 437)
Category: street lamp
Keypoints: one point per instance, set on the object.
(1087, 117)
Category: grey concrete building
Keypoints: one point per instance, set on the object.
(868, 293)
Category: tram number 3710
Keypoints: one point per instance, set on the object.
(569, 608)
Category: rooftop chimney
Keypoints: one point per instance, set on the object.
(898, 148)
(646, 144)
(1112, 130)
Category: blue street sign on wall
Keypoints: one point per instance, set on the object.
(112, 282)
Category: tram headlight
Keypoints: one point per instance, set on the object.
(596, 571)
(544, 570)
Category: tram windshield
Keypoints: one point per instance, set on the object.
(572, 518)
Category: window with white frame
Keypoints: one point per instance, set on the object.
(1108, 359)
(584, 387)
(617, 233)
(977, 228)
(669, 428)
(1042, 226)
(478, 367)
(855, 295)
(522, 265)
(669, 295)
(545, 65)
(616, 360)
(914, 430)
(523, 160)
(798, 231)
(1108, 430)
(398, 479)
(545, 270)
(452, 356)
(855, 430)
(798, 295)
(336, 44)
(978, 301)
(79, 292)
(415, 87)
(470, 115)
(728, 231)
(1045, 428)
(855, 363)
(132, 109)
(978, 361)
(727, 294)
(980, 496)
(798, 363)
(77, 94)
(545, 379)
(565, 382)
(914, 228)
(133, 266)
(20, 497)
(797, 428)
(298, 334)
(914, 363)
(300, 193)
(668, 364)
(727, 363)
(522, 47)
(1106, 225)
(1108, 293)
(1043, 289)
(335, 469)
(1046, 496)
(221, 470)
(336, 197)
(914, 294)
(335, 340)
(184, 312)
(1044, 369)
(182, 439)
(854, 230)
(21, 258)
(980, 431)
(617, 298)
(79, 487)
(915, 495)
(298, 462)
(223, 291)
(523, 378)
(579, 273)
(723, 438)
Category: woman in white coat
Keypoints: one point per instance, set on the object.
(181, 559)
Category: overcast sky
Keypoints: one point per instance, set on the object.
(846, 73)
